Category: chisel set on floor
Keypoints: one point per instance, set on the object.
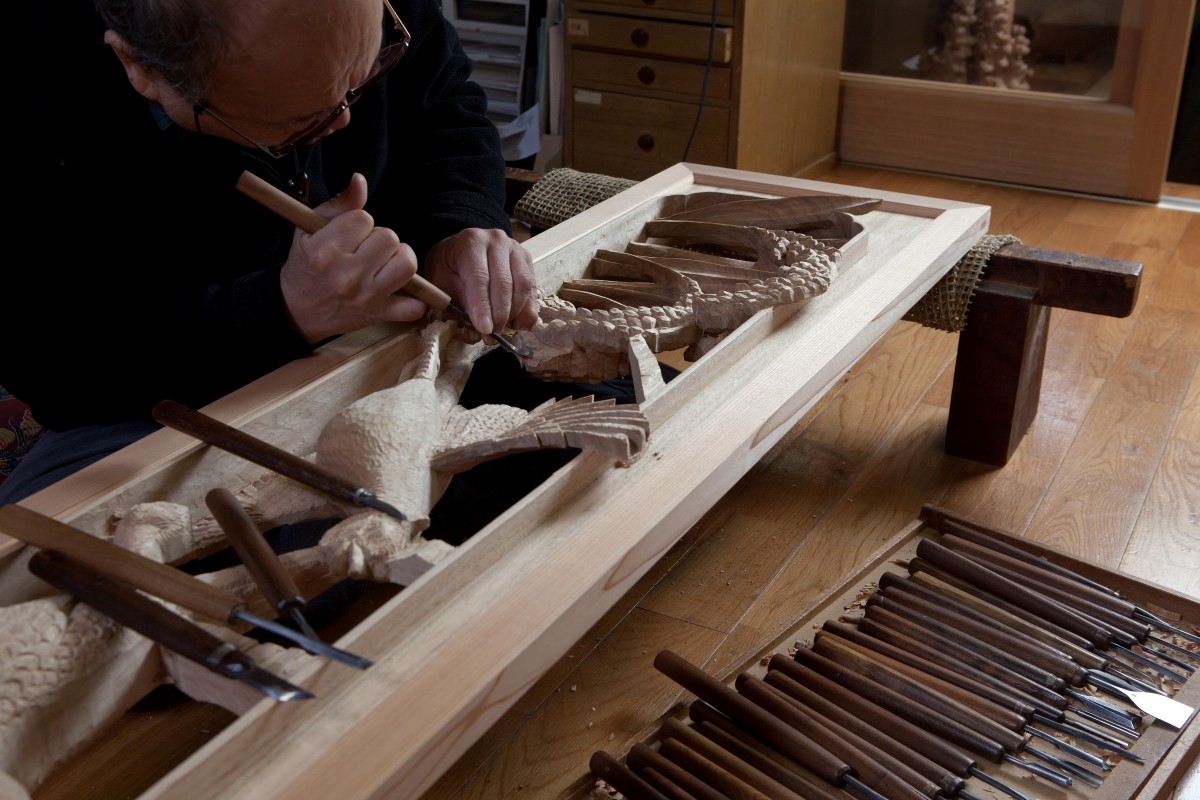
(980, 667)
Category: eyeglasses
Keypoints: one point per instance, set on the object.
(388, 57)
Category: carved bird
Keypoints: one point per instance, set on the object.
(406, 442)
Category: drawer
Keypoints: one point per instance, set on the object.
(596, 69)
(649, 37)
(725, 8)
(635, 137)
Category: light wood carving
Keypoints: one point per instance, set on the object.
(981, 45)
(696, 274)
(67, 670)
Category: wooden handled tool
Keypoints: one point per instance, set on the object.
(941, 556)
(674, 730)
(231, 440)
(158, 623)
(876, 767)
(716, 727)
(987, 536)
(669, 776)
(793, 743)
(622, 778)
(927, 742)
(267, 569)
(143, 573)
(948, 782)
(309, 221)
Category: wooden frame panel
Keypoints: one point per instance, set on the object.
(457, 648)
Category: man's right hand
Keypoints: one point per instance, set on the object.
(348, 275)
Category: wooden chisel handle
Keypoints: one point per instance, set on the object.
(956, 674)
(263, 564)
(674, 730)
(718, 728)
(949, 729)
(133, 610)
(669, 776)
(934, 747)
(919, 569)
(875, 767)
(941, 556)
(948, 783)
(935, 590)
(226, 437)
(1030, 651)
(916, 691)
(621, 777)
(729, 785)
(957, 537)
(788, 740)
(116, 562)
(310, 221)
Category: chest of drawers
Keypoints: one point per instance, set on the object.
(750, 84)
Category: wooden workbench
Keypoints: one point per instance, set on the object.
(536, 580)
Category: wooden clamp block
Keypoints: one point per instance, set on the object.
(1001, 351)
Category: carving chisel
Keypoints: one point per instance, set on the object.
(719, 729)
(787, 673)
(310, 221)
(159, 624)
(268, 571)
(986, 536)
(150, 576)
(995, 744)
(218, 434)
(801, 748)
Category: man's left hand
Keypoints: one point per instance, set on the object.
(490, 276)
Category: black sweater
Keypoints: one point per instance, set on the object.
(146, 275)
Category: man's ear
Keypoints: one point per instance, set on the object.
(144, 80)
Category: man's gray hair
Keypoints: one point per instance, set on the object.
(183, 41)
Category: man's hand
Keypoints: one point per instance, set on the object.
(490, 275)
(346, 276)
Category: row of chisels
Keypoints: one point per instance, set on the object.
(124, 584)
(981, 661)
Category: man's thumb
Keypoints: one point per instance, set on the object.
(352, 198)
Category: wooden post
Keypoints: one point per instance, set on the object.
(1001, 351)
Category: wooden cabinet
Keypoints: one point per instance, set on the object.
(750, 84)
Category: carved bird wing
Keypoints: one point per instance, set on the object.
(472, 436)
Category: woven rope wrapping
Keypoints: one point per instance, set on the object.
(944, 307)
(562, 193)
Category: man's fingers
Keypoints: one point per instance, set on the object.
(352, 198)
(404, 308)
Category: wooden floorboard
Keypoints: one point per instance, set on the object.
(1110, 470)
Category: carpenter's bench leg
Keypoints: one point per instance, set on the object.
(998, 373)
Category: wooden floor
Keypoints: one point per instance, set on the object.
(1110, 471)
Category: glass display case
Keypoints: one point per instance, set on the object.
(1066, 94)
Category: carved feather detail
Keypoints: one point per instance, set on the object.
(620, 432)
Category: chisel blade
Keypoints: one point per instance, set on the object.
(159, 624)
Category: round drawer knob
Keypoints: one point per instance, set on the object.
(646, 142)
(646, 75)
(640, 37)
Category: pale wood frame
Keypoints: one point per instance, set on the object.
(1119, 148)
(458, 647)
